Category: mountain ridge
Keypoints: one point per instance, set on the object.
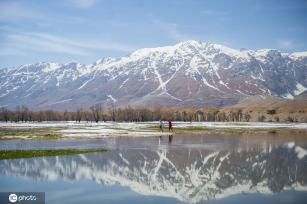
(188, 74)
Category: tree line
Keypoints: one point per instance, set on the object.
(98, 113)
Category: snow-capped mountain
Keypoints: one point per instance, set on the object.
(188, 74)
(189, 175)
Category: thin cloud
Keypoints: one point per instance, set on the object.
(286, 7)
(44, 42)
(83, 4)
(289, 45)
(32, 43)
(219, 15)
(18, 12)
(15, 11)
(285, 44)
(213, 12)
(10, 51)
(171, 29)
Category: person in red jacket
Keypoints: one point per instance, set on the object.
(170, 125)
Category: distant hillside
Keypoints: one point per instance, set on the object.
(270, 108)
(302, 96)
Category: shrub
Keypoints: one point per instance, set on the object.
(261, 118)
(271, 111)
(290, 119)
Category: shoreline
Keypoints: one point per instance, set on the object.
(84, 130)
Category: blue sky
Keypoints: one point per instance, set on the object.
(86, 30)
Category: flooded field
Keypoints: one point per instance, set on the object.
(185, 167)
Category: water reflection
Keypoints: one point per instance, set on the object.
(189, 175)
(170, 139)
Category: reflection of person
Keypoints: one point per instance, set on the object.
(170, 125)
(161, 125)
(160, 139)
(170, 139)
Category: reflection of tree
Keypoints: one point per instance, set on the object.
(283, 169)
(190, 175)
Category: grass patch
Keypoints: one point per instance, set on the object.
(29, 133)
(191, 129)
(17, 154)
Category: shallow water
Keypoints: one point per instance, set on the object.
(198, 168)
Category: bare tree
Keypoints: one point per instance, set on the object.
(79, 114)
(5, 114)
(112, 112)
(97, 111)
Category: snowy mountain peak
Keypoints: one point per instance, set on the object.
(50, 66)
(190, 73)
(104, 60)
(191, 43)
(268, 52)
(298, 55)
(231, 52)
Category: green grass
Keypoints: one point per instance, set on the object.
(29, 133)
(191, 129)
(17, 154)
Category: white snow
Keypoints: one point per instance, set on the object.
(161, 83)
(124, 82)
(243, 125)
(112, 98)
(301, 152)
(224, 84)
(63, 101)
(299, 89)
(231, 52)
(288, 96)
(207, 84)
(262, 52)
(84, 84)
(298, 55)
(112, 129)
(169, 95)
(92, 130)
(240, 92)
(289, 145)
(49, 67)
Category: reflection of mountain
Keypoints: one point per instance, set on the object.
(190, 175)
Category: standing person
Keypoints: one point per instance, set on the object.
(170, 125)
(161, 125)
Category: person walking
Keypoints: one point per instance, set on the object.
(161, 125)
(170, 125)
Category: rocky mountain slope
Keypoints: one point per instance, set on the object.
(188, 74)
